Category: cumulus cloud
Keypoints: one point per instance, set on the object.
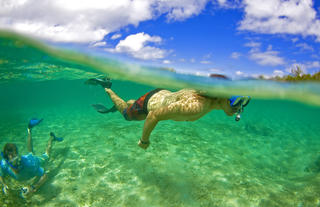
(281, 17)
(179, 9)
(137, 46)
(268, 57)
(88, 20)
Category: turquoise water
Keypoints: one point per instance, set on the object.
(270, 157)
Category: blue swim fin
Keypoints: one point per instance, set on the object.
(34, 122)
(58, 139)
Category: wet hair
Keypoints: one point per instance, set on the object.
(9, 148)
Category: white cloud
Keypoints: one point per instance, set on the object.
(252, 44)
(279, 73)
(99, 44)
(136, 46)
(268, 57)
(305, 46)
(166, 61)
(192, 60)
(235, 55)
(281, 17)
(88, 20)
(179, 9)
(116, 36)
(239, 73)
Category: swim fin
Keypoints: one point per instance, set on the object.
(102, 109)
(104, 82)
(58, 139)
(34, 122)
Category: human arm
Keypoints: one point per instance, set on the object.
(3, 185)
(40, 182)
(149, 124)
(34, 188)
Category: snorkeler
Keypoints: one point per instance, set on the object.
(159, 104)
(25, 167)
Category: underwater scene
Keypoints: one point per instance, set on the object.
(270, 158)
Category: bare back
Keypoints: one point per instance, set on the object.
(184, 105)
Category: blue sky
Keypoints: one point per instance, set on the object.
(236, 38)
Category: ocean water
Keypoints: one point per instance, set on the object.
(271, 157)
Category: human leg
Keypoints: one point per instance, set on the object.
(49, 145)
(118, 102)
(51, 139)
(29, 141)
(32, 123)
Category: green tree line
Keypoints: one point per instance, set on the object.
(298, 75)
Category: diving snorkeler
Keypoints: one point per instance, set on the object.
(25, 167)
(159, 104)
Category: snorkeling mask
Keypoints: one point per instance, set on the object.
(241, 102)
(14, 162)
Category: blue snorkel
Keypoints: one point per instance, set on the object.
(238, 113)
(241, 102)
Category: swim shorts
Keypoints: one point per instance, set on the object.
(138, 110)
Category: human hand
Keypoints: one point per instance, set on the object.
(27, 191)
(143, 144)
(5, 189)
